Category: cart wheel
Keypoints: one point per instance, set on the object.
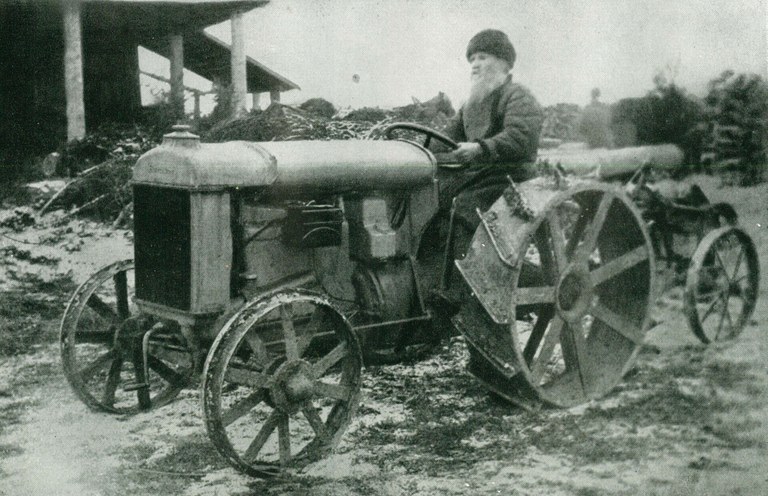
(281, 382)
(101, 347)
(577, 312)
(722, 285)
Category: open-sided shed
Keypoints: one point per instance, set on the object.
(73, 64)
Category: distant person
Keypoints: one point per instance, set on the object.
(497, 130)
(595, 124)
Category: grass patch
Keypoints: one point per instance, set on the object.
(30, 316)
(190, 456)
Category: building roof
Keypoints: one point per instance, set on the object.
(152, 17)
(210, 58)
(150, 21)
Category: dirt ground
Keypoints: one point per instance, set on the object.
(687, 419)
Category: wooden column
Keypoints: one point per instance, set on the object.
(256, 101)
(73, 70)
(274, 96)
(176, 42)
(239, 82)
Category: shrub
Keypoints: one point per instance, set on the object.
(737, 119)
(666, 114)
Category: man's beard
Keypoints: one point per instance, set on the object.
(484, 84)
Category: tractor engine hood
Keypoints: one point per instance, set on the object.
(182, 161)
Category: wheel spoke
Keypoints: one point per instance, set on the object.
(619, 264)
(537, 333)
(722, 318)
(322, 366)
(261, 438)
(578, 230)
(242, 407)
(113, 380)
(102, 309)
(291, 344)
(313, 417)
(166, 372)
(711, 308)
(258, 348)
(98, 364)
(95, 337)
(530, 296)
(571, 343)
(551, 339)
(284, 440)
(121, 289)
(557, 236)
(594, 228)
(618, 323)
(335, 391)
(247, 377)
(721, 263)
(739, 258)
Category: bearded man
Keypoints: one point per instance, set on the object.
(497, 130)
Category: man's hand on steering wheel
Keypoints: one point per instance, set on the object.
(467, 153)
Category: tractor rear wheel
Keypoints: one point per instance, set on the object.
(281, 382)
(580, 276)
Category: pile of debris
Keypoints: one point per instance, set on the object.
(311, 121)
(99, 166)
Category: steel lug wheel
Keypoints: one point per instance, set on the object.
(101, 336)
(722, 284)
(281, 382)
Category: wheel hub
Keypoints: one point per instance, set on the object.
(574, 293)
(292, 385)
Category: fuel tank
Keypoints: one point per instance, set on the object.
(182, 161)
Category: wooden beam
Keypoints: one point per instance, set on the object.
(255, 101)
(73, 70)
(239, 82)
(176, 43)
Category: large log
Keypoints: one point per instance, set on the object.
(607, 163)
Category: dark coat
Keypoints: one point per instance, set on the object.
(506, 124)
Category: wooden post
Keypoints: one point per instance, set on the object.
(197, 105)
(239, 81)
(73, 70)
(176, 42)
(255, 101)
(274, 96)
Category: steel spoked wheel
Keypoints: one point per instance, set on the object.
(722, 285)
(281, 382)
(103, 336)
(583, 295)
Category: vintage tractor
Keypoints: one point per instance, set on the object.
(276, 269)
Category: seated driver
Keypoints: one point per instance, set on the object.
(497, 130)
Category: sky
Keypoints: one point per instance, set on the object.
(404, 49)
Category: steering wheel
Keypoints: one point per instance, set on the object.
(428, 132)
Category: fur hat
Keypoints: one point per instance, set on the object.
(494, 42)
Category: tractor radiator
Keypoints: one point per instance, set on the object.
(162, 246)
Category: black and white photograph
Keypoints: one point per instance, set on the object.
(383, 247)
